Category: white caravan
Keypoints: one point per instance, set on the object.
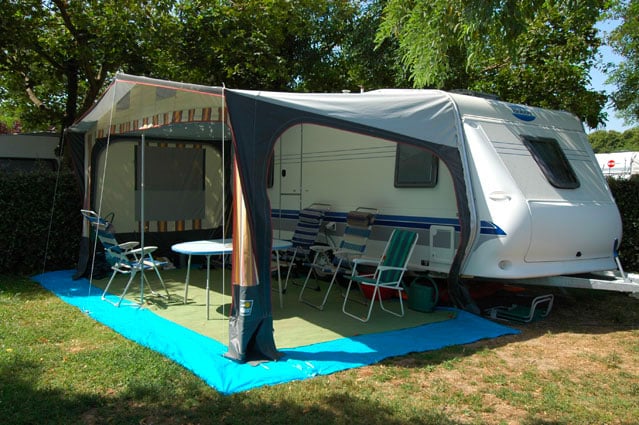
(540, 204)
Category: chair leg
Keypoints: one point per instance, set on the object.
(328, 290)
(161, 281)
(126, 288)
(401, 304)
(106, 289)
(370, 306)
(288, 272)
(157, 272)
(308, 276)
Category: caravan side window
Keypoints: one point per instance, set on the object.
(415, 167)
(552, 161)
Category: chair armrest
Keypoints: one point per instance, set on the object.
(142, 251)
(128, 245)
(348, 254)
(320, 248)
(384, 268)
(366, 261)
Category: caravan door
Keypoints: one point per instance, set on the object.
(286, 190)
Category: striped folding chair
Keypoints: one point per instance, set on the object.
(124, 258)
(304, 236)
(334, 262)
(388, 274)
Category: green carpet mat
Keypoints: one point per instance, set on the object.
(296, 324)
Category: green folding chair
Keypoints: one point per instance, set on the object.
(388, 274)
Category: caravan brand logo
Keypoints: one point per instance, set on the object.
(246, 307)
(521, 112)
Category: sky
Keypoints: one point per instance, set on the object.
(598, 81)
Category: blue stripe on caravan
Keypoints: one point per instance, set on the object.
(488, 228)
(286, 214)
(399, 221)
(415, 222)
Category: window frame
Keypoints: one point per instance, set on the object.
(430, 182)
(539, 148)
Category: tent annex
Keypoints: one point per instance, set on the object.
(184, 160)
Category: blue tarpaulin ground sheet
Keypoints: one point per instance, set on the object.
(205, 356)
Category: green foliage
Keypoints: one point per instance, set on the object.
(613, 141)
(626, 194)
(55, 56)
(26, 202)
(68, 51)
(625, 41)
(369, 64)
(537, 53)
(269, 45)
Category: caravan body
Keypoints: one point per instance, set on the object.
(539, 205)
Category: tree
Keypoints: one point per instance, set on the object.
(613, 141)
(67, 51)
(368, 64)
(56, 55)
(265, 44)
(538, 52)
(625, 41)
(603, 141)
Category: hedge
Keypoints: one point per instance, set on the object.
(26, 201)
(34, 222)
(626, 194)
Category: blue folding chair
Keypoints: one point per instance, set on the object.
(335, 262)
(305, 235)
(124, 258)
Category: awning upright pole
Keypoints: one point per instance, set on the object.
(142, 220)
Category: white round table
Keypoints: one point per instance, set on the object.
(208, 248)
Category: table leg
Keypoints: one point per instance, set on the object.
(208, 267)
(188, 273)
(279, 277)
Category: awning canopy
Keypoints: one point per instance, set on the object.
(159, 108)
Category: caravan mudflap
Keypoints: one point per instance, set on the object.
(604, 281)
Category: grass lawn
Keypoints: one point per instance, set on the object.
(578, 366)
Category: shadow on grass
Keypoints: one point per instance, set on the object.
(21, 286)
(22, 403)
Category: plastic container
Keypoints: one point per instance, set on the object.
(423, 294)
